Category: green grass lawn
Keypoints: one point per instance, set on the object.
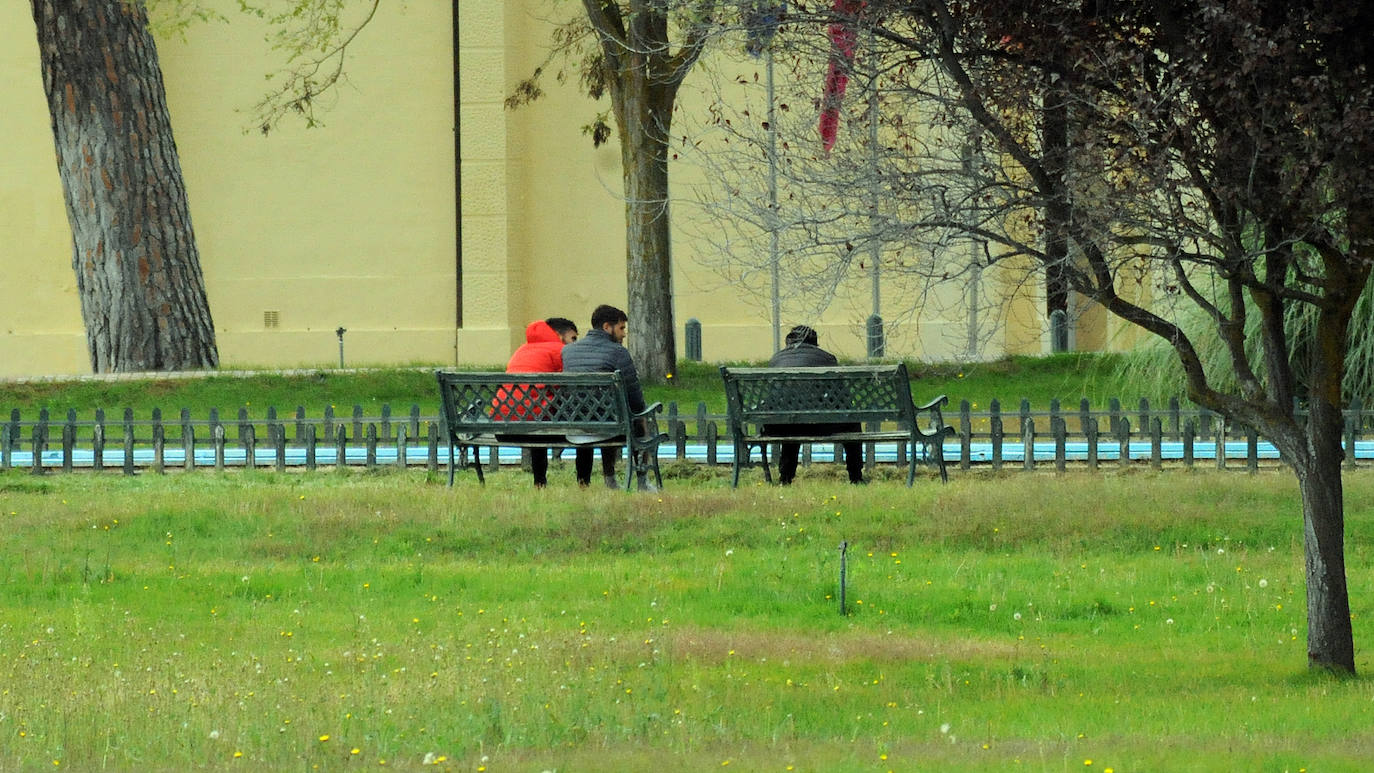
(1067, 377)
(254, 621)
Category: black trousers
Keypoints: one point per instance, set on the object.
(583, 463)
(787, 461)
(539, 457)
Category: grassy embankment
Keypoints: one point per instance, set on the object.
(1065, 377)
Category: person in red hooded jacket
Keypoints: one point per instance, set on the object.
(542, 352)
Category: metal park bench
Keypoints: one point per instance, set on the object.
(545, 410)
(871, 396)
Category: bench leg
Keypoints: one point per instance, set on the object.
(477, 463)
(763, 454)
(451, 462)
(741, 449)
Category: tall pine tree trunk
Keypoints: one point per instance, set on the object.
(137, 267)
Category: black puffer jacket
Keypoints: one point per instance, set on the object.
(801, 355)
(595, 352)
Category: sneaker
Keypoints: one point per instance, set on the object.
(645, 485)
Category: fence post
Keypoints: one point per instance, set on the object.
(249, 435)
(329, 424)
(98, 441)
(357, 421)
(1174, 418)
(701, 421)
(386, 423)
(341, 448)
(415, 421)
(1123, 442)
(188, 440)
(279, 445)
(310, 447)
(1189, 438)
(432, 441)
(995, 431)
(159, 442)
(1252, 449)
(1114, 417)
(6, 447)
(711, 443)
(1157, 444)
(217, 435)
(1060, 428)
(39, 441)
(128, 441)
(1091, 432)
(401, 446)
(1027, 443)
(372, 447)
(1221, 444)
(68, 440)
(965, 436)
(9, 440)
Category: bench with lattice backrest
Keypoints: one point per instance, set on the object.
(545, 410)
(877, 399)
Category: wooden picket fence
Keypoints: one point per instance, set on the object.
(1169, 436)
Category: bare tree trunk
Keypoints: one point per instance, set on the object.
(1330, 639)
(644, 113)
(133, 250)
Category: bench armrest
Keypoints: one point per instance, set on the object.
(935, 404)
(648, 410)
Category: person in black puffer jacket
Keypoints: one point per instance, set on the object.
(803, 351)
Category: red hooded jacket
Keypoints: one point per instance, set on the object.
(542, 352)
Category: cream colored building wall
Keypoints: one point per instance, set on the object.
(353, 224)
(40, 313)
(348, 225)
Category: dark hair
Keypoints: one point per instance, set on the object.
(802, 334)
(604, 314)
(561, 325)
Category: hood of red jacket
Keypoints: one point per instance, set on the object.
(539, 332)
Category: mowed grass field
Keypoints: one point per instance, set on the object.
(255, 621)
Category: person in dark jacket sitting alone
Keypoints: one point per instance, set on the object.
(803, 351)
(601, 350)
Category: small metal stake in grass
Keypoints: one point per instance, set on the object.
(844, 551)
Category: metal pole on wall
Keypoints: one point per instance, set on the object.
(875, 339)
(773, 206)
